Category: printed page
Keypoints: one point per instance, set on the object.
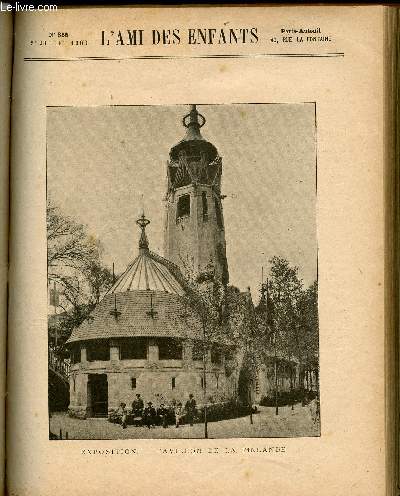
(197, 295)
(6, 47)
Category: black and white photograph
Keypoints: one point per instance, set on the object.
(182, 270)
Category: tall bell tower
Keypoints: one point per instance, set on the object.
(194, 236)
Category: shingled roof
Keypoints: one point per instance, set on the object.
(169, 318)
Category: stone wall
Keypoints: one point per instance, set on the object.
(152, 381)
(155, 385)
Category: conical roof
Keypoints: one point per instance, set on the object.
(148, 272)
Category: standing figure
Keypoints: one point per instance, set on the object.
(190, 408)
(122, 411)
(149, 415)
(179, 414)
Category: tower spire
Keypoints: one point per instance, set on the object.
(193, 121)
(194, 116)
(194, 223)
(142, 222)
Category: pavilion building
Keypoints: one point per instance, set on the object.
(142, 337)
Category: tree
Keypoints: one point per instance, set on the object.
(294, 317)
(68, 243)
(285, 290)
(212, 304)
(99, 278)
(74, 265)
(246, 336)
(61, 330)
(308, 329)
(205, 301)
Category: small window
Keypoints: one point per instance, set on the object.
(173, 383)
(202, 382)
(218, 213)
(133, 382)
(205, 206)
(74, 382)
(183, 208)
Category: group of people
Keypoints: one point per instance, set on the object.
(150, 416)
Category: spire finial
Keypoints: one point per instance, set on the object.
(142, 222)
(193, 120)
(194, 115)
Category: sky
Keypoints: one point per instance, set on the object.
(104, 164)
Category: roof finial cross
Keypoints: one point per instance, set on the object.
(153, 314)
(142, 222)
(115, 311)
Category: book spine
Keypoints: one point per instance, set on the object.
(6, 51)
(392, 241)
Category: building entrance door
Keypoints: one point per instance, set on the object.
(97, 395)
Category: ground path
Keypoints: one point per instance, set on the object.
(289, 423)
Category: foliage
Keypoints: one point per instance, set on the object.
(68, 243)
(75, 268)
(223, 315)
(62, 328)
(289, 320)
(308, 325)
(288, 398)
(99, 278)
(223, 411)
